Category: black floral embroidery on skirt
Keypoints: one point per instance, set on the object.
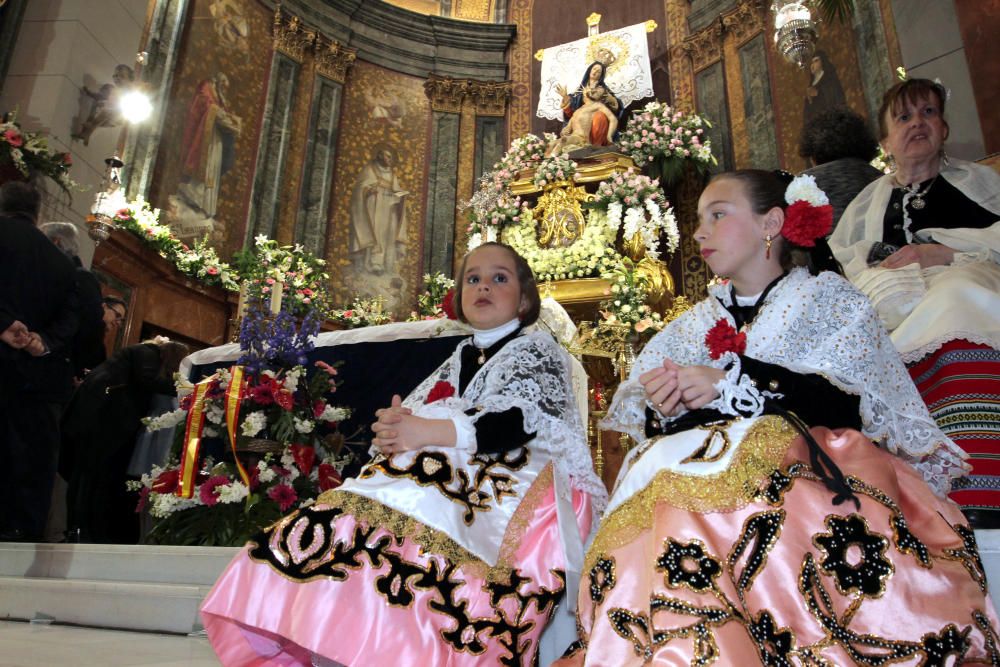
(947, 643)
(870, 569)
(602, 579)
(688, 565)
(773, 644)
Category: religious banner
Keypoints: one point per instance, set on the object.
(625, 54)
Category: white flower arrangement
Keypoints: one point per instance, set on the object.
(591, 255)
(636, 203)
(804, 188)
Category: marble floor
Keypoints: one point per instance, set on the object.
(41, 645)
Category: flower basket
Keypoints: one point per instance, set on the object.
(259, 446)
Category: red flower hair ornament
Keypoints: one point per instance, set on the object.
(809, 215)
(723, 337)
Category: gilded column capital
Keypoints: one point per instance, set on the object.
(705, 46)
(746, 20)
(446, 93)
(290, 36)
(490, 97)
(333, 59)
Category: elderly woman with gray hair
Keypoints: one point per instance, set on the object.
(923, 242)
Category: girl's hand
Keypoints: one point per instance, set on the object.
(662, 389)
(925, 254)
(399, 430)
(697, 385)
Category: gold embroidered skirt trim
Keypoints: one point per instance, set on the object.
(432, 540)
(759, 454)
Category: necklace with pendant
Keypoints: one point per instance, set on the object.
(916, 195)
(482, 355)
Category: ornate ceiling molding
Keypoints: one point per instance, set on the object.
(446, 94)
(490, 97)
(333, 59)
(746, 20)
(290, 36)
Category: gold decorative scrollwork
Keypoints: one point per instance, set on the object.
(446, 93)
(333, 59)
(290, 36)
(490, 97)
(746, 20)
(560, 215)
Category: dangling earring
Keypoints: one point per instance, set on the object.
(767, 247)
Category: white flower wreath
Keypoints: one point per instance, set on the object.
(591, 255)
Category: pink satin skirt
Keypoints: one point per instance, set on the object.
(792, 579)
(361, 595)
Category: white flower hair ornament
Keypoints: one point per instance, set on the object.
(809, 215)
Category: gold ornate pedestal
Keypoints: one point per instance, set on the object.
(591, 169)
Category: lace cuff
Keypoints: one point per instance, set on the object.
(738, 394)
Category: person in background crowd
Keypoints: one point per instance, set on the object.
(924, 244)
(88, 344)
(38, 319)
(100, 429)
(840, 147)
(115, 312)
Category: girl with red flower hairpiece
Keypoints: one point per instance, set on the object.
(456, 542)
(756, 507)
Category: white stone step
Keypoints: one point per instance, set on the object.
(103, 604)
(115, 562)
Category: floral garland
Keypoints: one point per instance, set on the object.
(487, 221)
(200, 262)
(809, 215)
(554, 169)
(29, 152)
(435, 301)
(590, 255)
(659, 133)
(523, 153)
(646, 210)
(627, 304)
(361, 313)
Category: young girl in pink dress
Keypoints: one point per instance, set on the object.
(456, 542)
(757, 522)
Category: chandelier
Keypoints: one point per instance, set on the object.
(108, 201)
(794, 30)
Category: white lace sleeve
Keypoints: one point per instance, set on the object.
(531, 373)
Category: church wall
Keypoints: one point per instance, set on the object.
(979, 21)
(931, 43)
(62, 46)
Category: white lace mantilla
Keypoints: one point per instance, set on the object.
(531, 372)
(808, 324)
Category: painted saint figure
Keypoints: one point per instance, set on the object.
(208, 146)
(378, 214)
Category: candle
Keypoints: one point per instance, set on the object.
(241, 305)
(276, 290)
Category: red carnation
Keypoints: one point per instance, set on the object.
(804, 223)
(67, 159)
(207, 490)
(284, 399)
(441, 390)
(723, 338)
(328, 477)
(166, 481)
(304, 457)
(14, 138)
(284, 495)
(448, 304)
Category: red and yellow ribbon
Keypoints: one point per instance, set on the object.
(192, 439)
(234, 396)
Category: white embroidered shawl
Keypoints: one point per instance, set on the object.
(808, 324)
